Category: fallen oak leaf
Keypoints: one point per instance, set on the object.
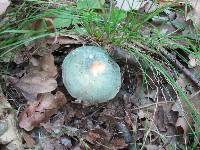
(118, 143)
(41, 110)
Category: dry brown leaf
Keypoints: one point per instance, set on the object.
(56, 125)
(98, 136)
(40, 77)
(3, 6)
(33, 84)
(30, 142)
(44, 63)
(160, 119)
(47, 65)
(192, 92)
(117, 143)
(41, 110)
(9, 134)
(38, 47)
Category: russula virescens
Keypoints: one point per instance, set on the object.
(91, 75)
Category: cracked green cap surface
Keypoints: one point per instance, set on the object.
(91, 75)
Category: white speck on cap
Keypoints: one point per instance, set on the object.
(91, 56)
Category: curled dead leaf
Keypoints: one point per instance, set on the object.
(98, 136)
(41, 110)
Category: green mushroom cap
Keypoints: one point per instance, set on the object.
(91, 75)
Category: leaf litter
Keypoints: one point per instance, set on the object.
(40, 78)
(41, 110)
(9, 134)
(96, 126)
(61, 123)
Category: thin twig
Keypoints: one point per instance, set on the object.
(173, 59)
(186, 71)
(125, 56)
(149, 105)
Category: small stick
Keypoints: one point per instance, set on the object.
(125, 56)
(172, 58)
(186, 71)
(153, 104)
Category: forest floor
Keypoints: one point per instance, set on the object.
(155, 43)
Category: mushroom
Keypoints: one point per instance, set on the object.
(91, 75)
